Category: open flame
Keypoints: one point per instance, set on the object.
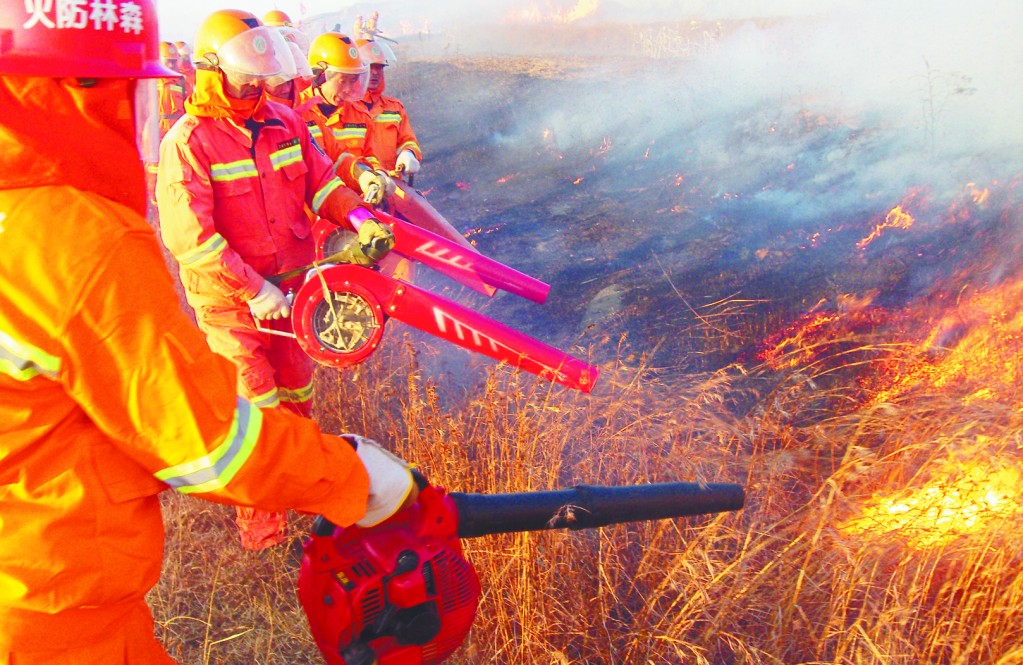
(962, 499)
(897, 218)
(548, 14)
(605, 145)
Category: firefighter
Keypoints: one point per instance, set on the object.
(296, 75)
(235, 175)
(369, 28)
(108, 393)
(392, 140)
(172, 90)
(185, 66)
(170, 106)
(341, 124)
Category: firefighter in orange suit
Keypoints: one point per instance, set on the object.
(296, 75)
(235, 174)
(185, 66)
(108, 393)
(392, 141)
(172, 90)
(341, 124)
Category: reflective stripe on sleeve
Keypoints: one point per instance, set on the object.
(22, 361)
(216, 469)
(303, 394)
(243, 168)
(212, 247)
(316, 131)
(408, 145)
(324, 192)
(268, 400)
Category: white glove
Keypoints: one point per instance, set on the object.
(390, 480)
(269, 303)
(375, 186)
(407, 162)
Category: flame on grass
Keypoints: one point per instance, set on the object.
(975, 345)
(961, 500)
(897, 218)
(535, 14)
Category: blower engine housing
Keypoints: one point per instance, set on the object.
(401, 593)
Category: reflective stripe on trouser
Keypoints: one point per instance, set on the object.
(268, 365)
(272, 370)
(128, 642)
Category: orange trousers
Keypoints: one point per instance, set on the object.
(129, 643)
(273, 371)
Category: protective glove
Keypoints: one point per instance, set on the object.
(390, 480)
(407, 162)
(375, 239)
(269, 303)
(375, 186)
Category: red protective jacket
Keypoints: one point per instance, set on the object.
(171, 102)
(345, 134)
(392, 131)
(232, 208)
(108, 393)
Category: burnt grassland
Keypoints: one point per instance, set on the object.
(865, 394)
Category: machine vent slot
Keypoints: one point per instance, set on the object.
(372, 605)
(456, 576)
(363, 569)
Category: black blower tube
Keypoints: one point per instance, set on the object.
(590, 506)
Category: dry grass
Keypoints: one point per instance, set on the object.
(859, 542)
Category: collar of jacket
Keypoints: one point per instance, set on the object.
(56, 132)
(209, 100)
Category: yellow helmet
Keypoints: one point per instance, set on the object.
(235, 40)
(168, 51)
(183, 51)
(277, 17)
(332, 51)
(375, 53)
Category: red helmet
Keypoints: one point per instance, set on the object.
(37, 40)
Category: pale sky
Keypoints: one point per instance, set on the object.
(179, 18)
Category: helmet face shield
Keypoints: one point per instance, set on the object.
(256, 54)
(296, 36)
(147, 117)
(376, 53)
(294, 66)
(344, 86)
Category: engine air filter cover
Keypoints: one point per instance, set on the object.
(337, 321)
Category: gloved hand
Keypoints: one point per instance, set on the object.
(390, 480)
(375, 239)
(375, 186)
(269, 303)
(407, 162)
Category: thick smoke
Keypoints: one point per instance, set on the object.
(927, 96)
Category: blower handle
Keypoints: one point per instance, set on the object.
(590, 506)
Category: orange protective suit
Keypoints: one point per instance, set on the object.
(344, 133)
(188, 73)
(171, 102)
(392, 131)
(231, 196)
(108, 393)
